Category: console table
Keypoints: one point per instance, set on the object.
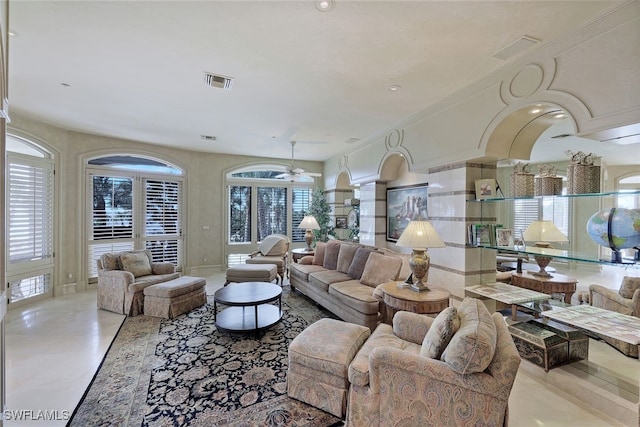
(558, 283)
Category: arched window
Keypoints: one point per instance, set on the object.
(29, 188)
(261, 204)
(134, 202)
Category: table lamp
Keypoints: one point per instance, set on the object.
(309, 223)
(543, 232)
(420, 235)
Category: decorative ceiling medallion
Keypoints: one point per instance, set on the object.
(527, 81)
(394, 139)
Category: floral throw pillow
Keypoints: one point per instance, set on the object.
(440, 332)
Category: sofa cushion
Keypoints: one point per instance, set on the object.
(359, 261)
(322, 279)
(301, 271)
(356, 295)
(382, 336)
(345, 256)
(380, 269)
(318, 256)
(136, 262)
(472, 348)
(629, 286)
(111, 261)
(331, 252)
(440, 333)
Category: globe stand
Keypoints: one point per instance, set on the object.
(616, 256)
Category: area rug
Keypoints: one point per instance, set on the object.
(180, 372)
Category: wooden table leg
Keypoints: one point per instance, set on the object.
(514, 312)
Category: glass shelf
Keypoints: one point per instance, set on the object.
(606, 194)
(563, 254)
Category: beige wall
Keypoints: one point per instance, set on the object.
(204, 196)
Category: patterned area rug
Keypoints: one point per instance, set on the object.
(161, 372)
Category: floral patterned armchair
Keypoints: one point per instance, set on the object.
(456, 370)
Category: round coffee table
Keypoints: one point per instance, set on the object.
(248, 306)
(397, 299)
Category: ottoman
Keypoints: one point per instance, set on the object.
(251, 273)
(174, 297)
(319, 359)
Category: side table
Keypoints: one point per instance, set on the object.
(298, 253)
(404, 299)
(558, 283)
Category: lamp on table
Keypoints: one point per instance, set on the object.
(543, 233)
(309, 223)
(419, 236)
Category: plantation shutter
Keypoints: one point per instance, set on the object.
(525, 211)
(300, 206)
(162, 224)
(30, 199)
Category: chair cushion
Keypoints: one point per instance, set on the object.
(472, 348)
(345, 256)
(273, 245)
(380, 269)
(136, 263)
(629, 286)
(318, 256)
(331, 252)
(359, 261)
(440, 333)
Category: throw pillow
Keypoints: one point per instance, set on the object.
(359, 261)
(440, 333)
(318, 257)
(380, 269)
(472, 347)
(136, 263)
(331, 252)
(629, 286)
(110, 261)
(345, 257)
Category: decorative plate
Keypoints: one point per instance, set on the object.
(352, 218)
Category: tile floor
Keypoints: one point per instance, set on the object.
(54, 348)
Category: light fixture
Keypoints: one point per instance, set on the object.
(543, 232)
(559, 116)
(324, 5)
(394, 88)
(420, 235)
(309, 223)
(535, 110)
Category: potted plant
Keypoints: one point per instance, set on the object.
(321, 210)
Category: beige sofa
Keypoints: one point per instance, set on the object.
(342, 277)
(122, 278)
(456, 370)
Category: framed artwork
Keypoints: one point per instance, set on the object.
(341, 221)
(504, 237)
(403, 205)
(486, 189)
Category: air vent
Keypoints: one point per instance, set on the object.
(208, 137)
(562, 135)
(216, 80)
(352, 140)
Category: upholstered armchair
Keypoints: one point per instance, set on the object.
(456, 370)
(274, 249)
(625, 301)
(122, 278)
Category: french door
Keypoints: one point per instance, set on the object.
(134, 211)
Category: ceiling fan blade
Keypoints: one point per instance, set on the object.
(311, 173)
(283, 175)
(296, 170)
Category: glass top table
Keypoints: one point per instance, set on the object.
(508, 294)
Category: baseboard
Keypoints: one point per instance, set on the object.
(205, 270)
(69, 288)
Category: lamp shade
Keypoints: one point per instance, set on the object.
(420, 234)
(544, 231)
(309, 222)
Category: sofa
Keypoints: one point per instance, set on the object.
(455, 370)
(122, 278)
(342, 277)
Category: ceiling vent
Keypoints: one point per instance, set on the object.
(209, 137)
(216, 80)
(518, 46)
(352, 140)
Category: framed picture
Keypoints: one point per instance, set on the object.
(504, 237)
(341, 221)
(403, 205)
(485, 189)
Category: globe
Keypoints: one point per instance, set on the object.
(622, 232)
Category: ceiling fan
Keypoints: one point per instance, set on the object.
(293, 173)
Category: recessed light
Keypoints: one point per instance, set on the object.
(324, 5)
(12, 33)
(559, 116)
(65, 85)
(535, 110)
(394, 88)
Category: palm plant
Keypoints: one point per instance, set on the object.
(321, 210)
